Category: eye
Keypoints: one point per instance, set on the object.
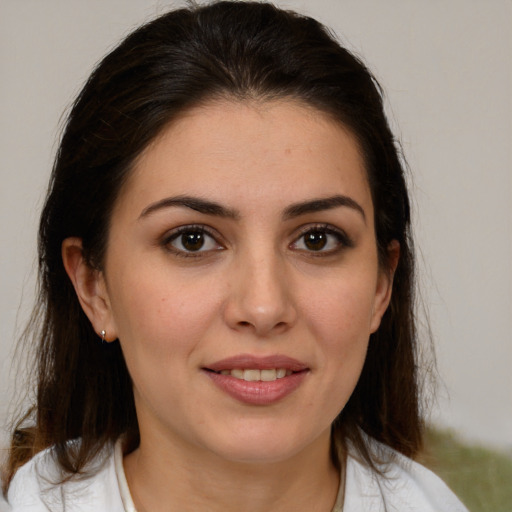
(188, 240)
(321, 239)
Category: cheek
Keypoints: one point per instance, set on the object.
(339, 318)
(340, 321)
(340, 311)
(160, 314)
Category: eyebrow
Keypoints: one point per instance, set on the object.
(318, 205)
(208, 207)
(194, 203)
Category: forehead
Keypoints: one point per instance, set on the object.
(264, 153)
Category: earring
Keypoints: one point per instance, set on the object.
(103, 334)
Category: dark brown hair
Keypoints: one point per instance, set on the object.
(238, 50)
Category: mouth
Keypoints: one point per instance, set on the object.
(257, 380)
(256, 375)
(256, 368)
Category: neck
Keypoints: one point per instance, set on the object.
(170, 479)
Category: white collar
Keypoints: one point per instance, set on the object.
(124, 490)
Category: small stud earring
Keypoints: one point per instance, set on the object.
(103, 334)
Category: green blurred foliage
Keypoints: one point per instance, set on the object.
(480, 477)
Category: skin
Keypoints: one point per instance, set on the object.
(255, 287)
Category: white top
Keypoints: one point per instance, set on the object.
(407, 487)
(4, 506)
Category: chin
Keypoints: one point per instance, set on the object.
(265, 446)
(259, 454)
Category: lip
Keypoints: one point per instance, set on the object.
(245, 361)
(259, 392)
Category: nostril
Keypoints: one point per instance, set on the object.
(244, 324)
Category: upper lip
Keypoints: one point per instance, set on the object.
(248, 361)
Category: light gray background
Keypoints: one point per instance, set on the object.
(446, 69)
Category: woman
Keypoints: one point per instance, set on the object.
(226, 279)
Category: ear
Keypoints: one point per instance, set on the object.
(90, 288)
(385, 286)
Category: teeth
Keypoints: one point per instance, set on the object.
(268, 375)
(251, 375)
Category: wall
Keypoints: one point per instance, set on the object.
(446, 69)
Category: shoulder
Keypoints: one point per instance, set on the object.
(37, 486)
(404, 486)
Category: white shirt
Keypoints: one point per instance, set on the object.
(406, 487)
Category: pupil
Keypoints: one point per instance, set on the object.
(192, 241)
(316, 240)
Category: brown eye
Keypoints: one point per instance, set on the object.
(189, 240)
(323, 240)
(315, 240)
(192, 241)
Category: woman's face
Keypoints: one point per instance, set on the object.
(242, 279)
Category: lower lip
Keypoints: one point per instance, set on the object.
(258, 392)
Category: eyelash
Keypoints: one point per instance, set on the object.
(343, 241)
(197, 229)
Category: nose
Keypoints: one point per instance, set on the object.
(260, 296)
